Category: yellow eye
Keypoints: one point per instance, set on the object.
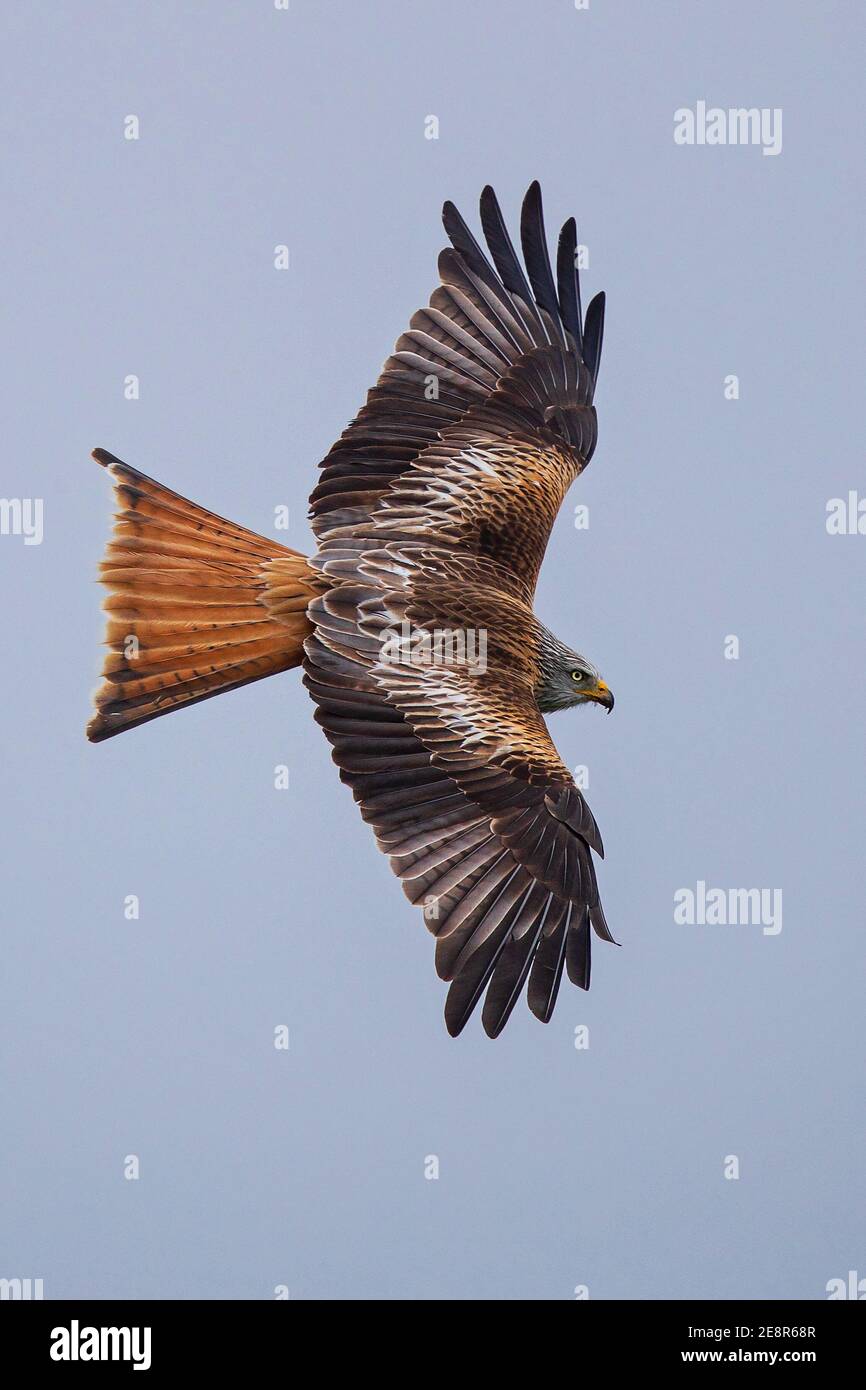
(578, 675)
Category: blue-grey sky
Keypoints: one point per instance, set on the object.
(559, 1167)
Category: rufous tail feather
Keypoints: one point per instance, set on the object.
(196, 605)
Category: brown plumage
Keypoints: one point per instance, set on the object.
(196, 605)
(431, 518)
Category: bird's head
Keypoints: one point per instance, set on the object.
(566, 678)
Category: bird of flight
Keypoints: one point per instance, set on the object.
(431, 516)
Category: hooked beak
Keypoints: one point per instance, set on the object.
(602, 694)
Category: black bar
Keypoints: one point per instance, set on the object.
(226, 1337)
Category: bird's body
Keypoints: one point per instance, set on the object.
(414, 619)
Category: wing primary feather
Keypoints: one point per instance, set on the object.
(535, 254)
(546, 974)
(470, 984)
(506, 262)
(578, 949)
(593, 334)
(569, 282)
(462, 240)
(512, 967)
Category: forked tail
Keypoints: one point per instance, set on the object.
(196, 605)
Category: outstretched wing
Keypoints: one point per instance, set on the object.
(481, 418)
(456, 773)
(436, 506)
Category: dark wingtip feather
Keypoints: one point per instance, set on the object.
(454, 223)
(455, 1023)
(506, 985)
(463, 241)
(505, 258)
(593, 334)
(550, 307)
(470, 983)
(578, 952)
(546, 974)
(599, 922)
(568, 281)
(535, 253)
(104, 457)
